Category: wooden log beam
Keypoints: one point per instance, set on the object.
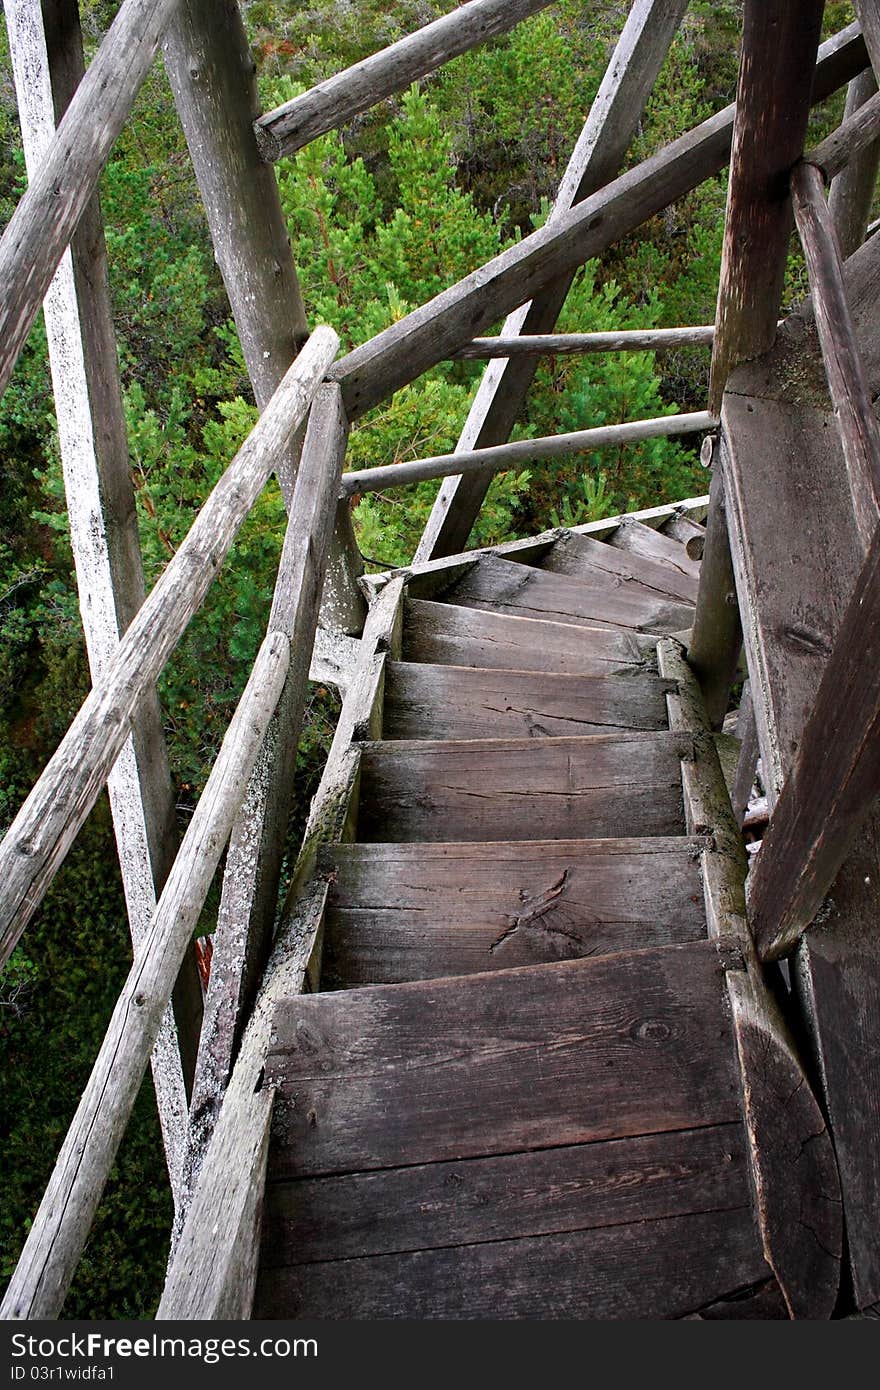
(832, 786)
(47, 215)
(847, 381)
(427, 335)
(868, 12)
(47, 823)
(522, 451)
(716, 641)
(777, 60)
(857, 133)
(596, 159)
(573, 344)
(852, 190)
(253, 863)
(337, 100)
(64, 1219)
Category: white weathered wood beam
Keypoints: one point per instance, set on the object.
(337, 100)
(47, 823)
(564, 344)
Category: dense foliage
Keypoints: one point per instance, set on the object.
(382, 216)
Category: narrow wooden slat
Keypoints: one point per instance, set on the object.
(521, 789)
(458, 636)
(46, 825)
(421, 911)
(628, 1044)
(847, 381)
(573, 344)
(338, 99)
(716, 641)
(599, 601)
(47, 215)
(582, 556)
(639, 539)
(779, 48)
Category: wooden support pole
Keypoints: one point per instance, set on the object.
(596, 159)
(47, 215)
(565, 344)
(868, 12)
(64, 1219)
(779, 47)
(253, 863)
(852, 186)
(47, 59)
(426, 336)
(47, 823)
(833, 783)
(847, 383)
(716, 641)
(336, 101)
(522, 451)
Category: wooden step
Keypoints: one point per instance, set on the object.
(428, 701)
(419, 911)
(599, 601)
(582, 557)
(591, 787)
(450, 634)
(638, 539)
(563, 1140)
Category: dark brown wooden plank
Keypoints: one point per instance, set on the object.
(522, 789)
(779, 47)
(633, 1043)
(597, 601)
(458, 636)
(639, 539)
(428, 701)
(438, 1205)
(419, 911)
(582, 557)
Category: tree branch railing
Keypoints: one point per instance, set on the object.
(576, 344)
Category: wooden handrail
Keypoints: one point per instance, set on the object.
(48, 822)
(858, 132)
(847, 382)
(833, 782)
(521, 451)
(47, 215)
(426, 336)
(573, 344)
(332, 103)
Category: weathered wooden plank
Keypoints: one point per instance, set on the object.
(44, 828)
(442, 1205)
(47, 215)
(63, 1220)
(338, 99)
(597, 601)
(595, 160)
(419, 911)
(831, 787)
(445, 632)
(428, 701)
(504, 456)
(779, 47)
(716, 641)
(521, 789)
(657, 1269)
(581, 556)
(852, 190)
(574, 344)
(847, 379)
(246, 916)
(626, 1044)
(639, 539)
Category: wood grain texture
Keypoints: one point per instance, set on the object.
(582, 556)
(426, 701)
(638, 539)
(521, 789)
(779, 47)
(337, 100)
(581, 1050)
(448, 633)
(419, 911)
(595, 600)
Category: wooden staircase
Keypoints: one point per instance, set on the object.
(517, 1092)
